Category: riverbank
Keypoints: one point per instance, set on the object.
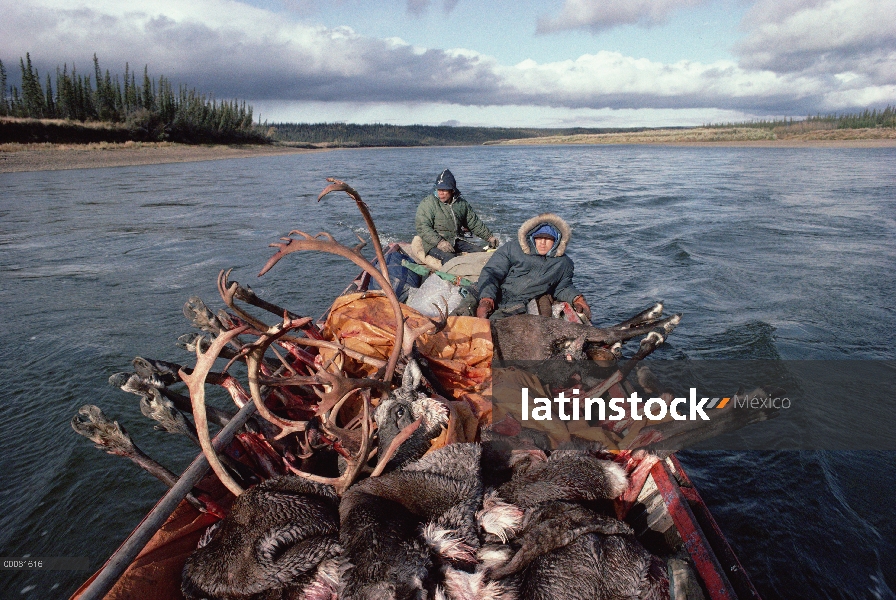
(779, 137)
(57, 157)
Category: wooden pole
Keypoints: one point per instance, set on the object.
(134, 544)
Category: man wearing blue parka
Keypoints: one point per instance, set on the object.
(533, 265)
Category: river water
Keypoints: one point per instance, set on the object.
(768, 253)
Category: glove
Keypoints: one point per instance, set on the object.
(493, 242)
(445, 246)
(581, 306)
(486, 307)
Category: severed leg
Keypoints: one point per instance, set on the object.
(111, 437)
(170, 419)
(135, 384)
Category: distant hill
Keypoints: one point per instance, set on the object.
(378, 135)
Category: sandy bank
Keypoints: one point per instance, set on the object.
(55, 157)
(732, 136)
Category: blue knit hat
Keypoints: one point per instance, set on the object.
(445, 181)
(546, 230)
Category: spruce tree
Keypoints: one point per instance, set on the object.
(32, 94)
(4, 106)
(50, 110)
(147, 89)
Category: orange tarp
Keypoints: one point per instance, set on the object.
(460, 355)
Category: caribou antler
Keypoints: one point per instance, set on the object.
(354, 462)
(341, 186)
(331, 246)
(367, 360)
(397, 441)
(196, 384)
(339, 386)
(353, 445)
(231, 291)
(300, 354)
(341, 389)
(431, 326)
(253, 362)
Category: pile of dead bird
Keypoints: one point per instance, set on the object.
(335, 502)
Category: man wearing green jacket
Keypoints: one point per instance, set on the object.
(441, 217)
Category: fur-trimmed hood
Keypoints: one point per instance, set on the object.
(524, 234)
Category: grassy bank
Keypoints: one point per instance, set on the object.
(36, 134)
(720, 135)
(59, 131)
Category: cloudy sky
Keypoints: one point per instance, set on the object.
(552, 63)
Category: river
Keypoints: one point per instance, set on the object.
(770, 253)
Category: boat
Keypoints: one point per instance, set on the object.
(662, 505)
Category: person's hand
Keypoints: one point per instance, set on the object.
(493, 241)
(581, 306)
(486, 307)
(445, 246)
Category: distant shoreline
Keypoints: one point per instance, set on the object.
(55, 157)
(16, 158)
(745, 137)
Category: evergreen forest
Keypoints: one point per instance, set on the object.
(380, 135)
(150, 110)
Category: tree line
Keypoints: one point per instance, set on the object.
(867, 119)
(150, 110)
(379, 135)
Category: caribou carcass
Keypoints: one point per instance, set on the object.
(278, 537)
(564, 546)
(537, 338)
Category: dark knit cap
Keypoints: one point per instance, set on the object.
(446, 181)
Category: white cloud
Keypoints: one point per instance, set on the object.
(485, 116)
(234, 50)
(876, 96)
(610, 79)
(240, 51)
(822, 37)
(598, 15)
